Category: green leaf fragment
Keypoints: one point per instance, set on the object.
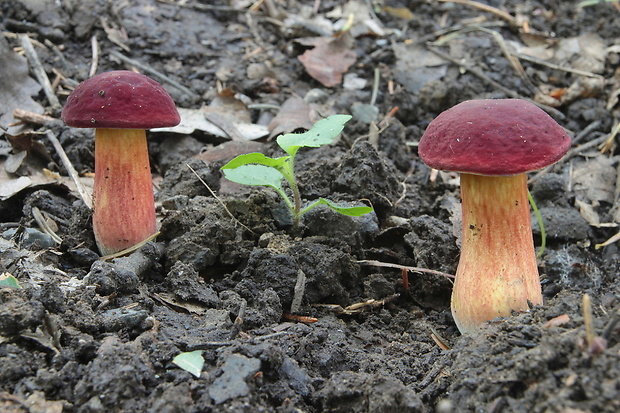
(255, 158)
(7, 280)
(255, 175)
(322, 133)
(356, 211)
(192, 362)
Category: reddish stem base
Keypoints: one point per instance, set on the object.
(497, 271)
(124, 206)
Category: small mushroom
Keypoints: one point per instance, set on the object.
(121, 105)
(493, 144)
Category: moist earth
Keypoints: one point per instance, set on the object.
(303, 319)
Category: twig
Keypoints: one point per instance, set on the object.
(512, 59)
(586, 131)
(39, 72)
(42, 222)
(32, 117)
(476, 72)
(70, 169)
(610, 241)
(416, 269)
(439, 340)
(155, 73)
(610, 139)
(217, 198)
(484, 7)
(94, 45)
(569, 155)
(130, 249)
(298, 295)
(375, 87)
(550, 65)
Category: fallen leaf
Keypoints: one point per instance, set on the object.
(399, 12)
(330, 58)
(194, 120)
(416, 66)
(294, 114)
(16, 87)
(594, 180)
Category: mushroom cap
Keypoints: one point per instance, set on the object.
(120, 99)
(493, 137)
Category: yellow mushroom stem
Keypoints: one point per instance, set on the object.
(124, 207)
(497, 272)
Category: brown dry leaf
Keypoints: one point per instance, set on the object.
(330, 58)
(294, 114)
(16, 86)
(399, 12)
(116, 35)
(594, 180)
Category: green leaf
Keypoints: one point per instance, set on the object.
(255, 158)
(322, 133)
(355, 211)
(7, 280)
(255, 175)
(191, 362)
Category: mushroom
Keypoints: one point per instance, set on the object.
(493, 144)
(121, 105)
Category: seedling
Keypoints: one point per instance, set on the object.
(258, 169)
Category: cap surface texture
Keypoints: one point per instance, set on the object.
(493, 137)
(120, 99)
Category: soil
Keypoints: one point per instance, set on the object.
(86, 335)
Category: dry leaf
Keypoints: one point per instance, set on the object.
(194, 119)
(329, 59)
(294, 114)
(16, 86)
(594, 180)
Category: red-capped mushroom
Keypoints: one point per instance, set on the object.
(493, 144)
(121, 105)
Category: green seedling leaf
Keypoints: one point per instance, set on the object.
(191, 362)
(322, 133)
(7, 280)
(356, 211)
(255, 158)
(255, 175)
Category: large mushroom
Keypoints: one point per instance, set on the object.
(493, 144)
(121, 105)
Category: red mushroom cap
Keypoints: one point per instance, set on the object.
(120, 99)
(493, 137)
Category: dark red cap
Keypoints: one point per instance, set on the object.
(120, 99)
(493, 137)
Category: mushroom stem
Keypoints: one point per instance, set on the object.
(124, 206)
(497, 271)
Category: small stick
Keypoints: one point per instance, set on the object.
(569, 155)
(586, 306)
(130, 249)
(155, 73)
(217, 198)
(298, 295)
(70, 169)
(39, 72)
(478, 73)
(400, 267)
(42, 222)
(439, 340)
(499, 13)
(94, 45)
(32, 117)
(550, 65)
